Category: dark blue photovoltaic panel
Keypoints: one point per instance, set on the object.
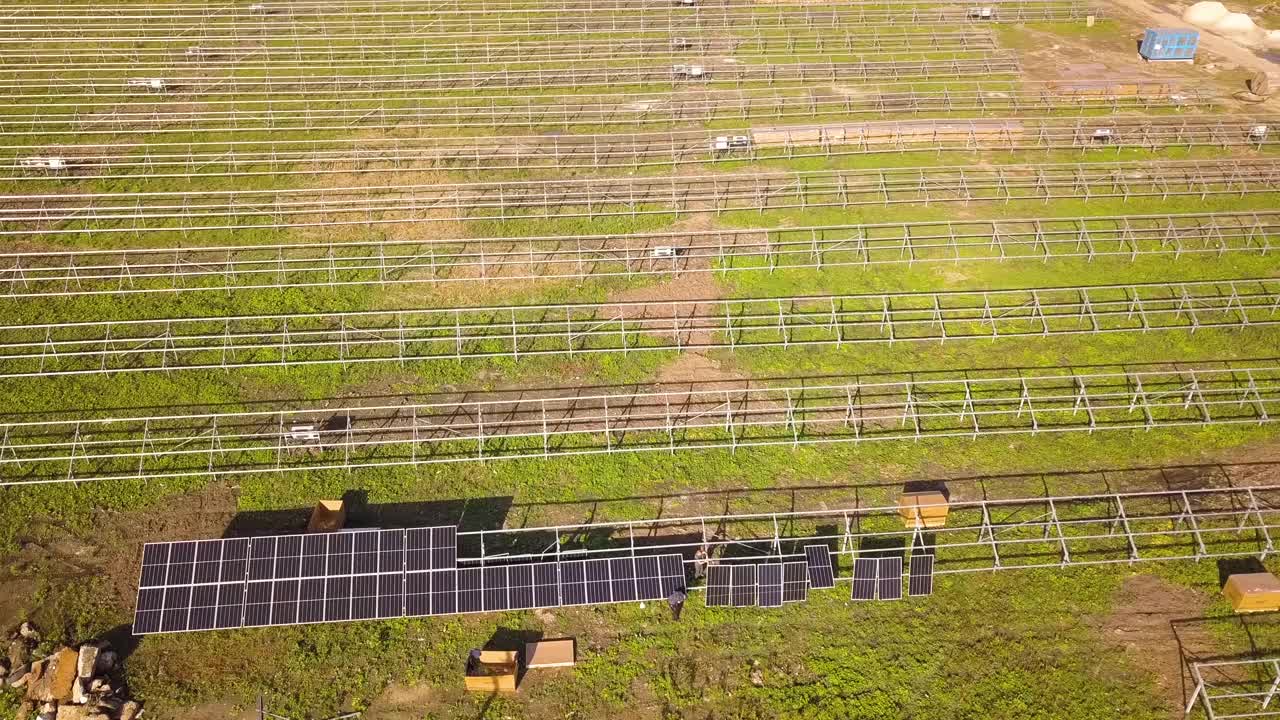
(146, 618)
(672, 575)
(770, 581)
(470, 590)
(573, 582)
(648, 586)
(358, 575)
(288, 558)
(795, 581)
(230, 604)
(284, 602)
(182, 562)
(314, 550)
(718, 579)
(889, 578)
(921, 581)
(820, 573)
(155, 564)
(622, 576)
(417, 597)
(208, 562)
(742, 586)
(546, 585)
(444, 547)
(311, 599)
(364, 594)
(390, 595)
(495, 588)
(339, 556)
(444, 592)
(864, 579)
(598, 588)
(262, 559)
(204, 607)
(391, 551)
(337, 598)
(418, 544)
(364, 553)
(520, 582)
(257, 603)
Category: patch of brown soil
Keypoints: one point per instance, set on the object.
(693, 367)
(1139, 624)
(401, 702)
(217, 711)
(111, 548)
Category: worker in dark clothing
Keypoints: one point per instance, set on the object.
(676, 601)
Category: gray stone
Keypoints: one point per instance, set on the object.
(48, 711)
(18, 677)
(108, 705)
(28, 631)
(87, 660)
(130, 710)
(24, 710)
(73, 712)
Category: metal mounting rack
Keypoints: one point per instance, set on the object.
(389, 262)
(478, 426)
(401, 336)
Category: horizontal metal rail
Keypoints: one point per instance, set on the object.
(401, 336)
(244, 29)
(990, 533)
(188, 268)
(180, 212)
(320, 113)
(275, 158)
(353, 433)
(1236, 689)
(353, 53)
(310, 13)
(641, 73)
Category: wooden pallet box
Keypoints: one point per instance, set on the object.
(560, 652)
(923, 509)
(492, 671)
(1253, 592)
(327, 516)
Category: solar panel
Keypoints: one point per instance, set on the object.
(494, 588)
(470, 590)
(546, 585)
(742, 586)
(864, 579)
(622, 578)
(718, 586)
(648, 578)
(921, 580)
(770, 585)
(795, 581)
(367, 574)
(444, 591)
(889, 578)
(573, 582)
(671, 575)
(520, 587)
(819, 559)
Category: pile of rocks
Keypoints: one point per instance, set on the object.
(68, 684)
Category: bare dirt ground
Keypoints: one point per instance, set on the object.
(1139, 625)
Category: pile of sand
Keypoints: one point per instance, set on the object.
(1215, 16)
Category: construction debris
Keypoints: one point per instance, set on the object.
(67, 684)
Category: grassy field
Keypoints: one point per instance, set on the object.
(1023, 644)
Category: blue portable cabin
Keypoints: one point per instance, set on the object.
(1169, 44)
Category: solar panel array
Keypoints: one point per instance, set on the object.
(877, 578)
(365, 575)
(766, 585)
